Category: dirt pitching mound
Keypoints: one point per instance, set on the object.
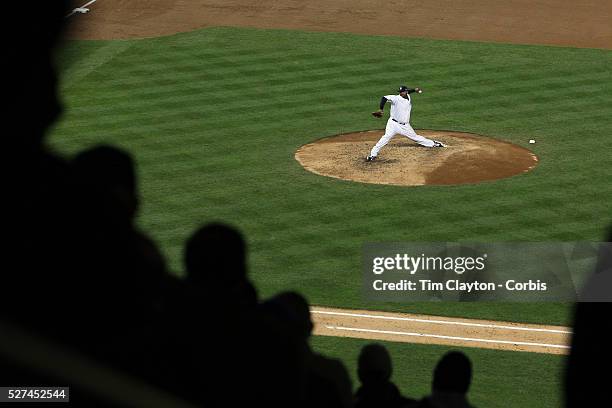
(468, 158)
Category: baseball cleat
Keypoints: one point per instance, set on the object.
(438, 144)
(370, 158)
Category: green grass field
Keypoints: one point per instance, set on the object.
(214, 117)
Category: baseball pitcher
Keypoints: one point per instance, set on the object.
(399, 121)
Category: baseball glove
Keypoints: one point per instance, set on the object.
(377, 114)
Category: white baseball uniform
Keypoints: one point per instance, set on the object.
(399, 123)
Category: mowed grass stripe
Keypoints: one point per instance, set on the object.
(183, 86)
(119, 117)
(244, 66)
(198, 98)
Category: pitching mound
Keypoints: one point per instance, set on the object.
(468, 158)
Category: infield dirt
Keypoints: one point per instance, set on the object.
(577, 24)
(401, 327)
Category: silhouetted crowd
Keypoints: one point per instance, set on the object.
(80, 277)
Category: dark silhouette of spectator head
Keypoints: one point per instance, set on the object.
(374, 369)
(324, 382)
(453, 373)
(109, 172)
(293, 310)
(216, 253)
(215, 259)
(374, 364)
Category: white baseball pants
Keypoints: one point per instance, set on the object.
(393, 128)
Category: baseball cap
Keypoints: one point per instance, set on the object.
(403, 88)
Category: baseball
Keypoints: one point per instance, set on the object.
(532, 141)
(420, 91)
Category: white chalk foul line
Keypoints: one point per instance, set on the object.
(449, 322)
(78, 9)
(438, 336)
(89, 3)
